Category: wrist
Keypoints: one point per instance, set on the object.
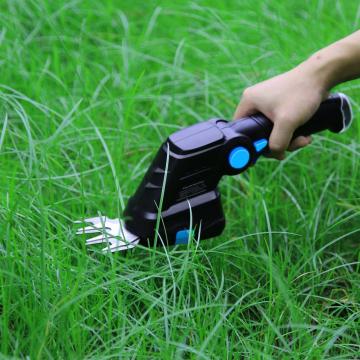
(315, 73)
(330, 66)
(321, 70)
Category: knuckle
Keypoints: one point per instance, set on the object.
(283, 118)
(248, 93)
(276, 147)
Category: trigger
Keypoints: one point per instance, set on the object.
(260, 145)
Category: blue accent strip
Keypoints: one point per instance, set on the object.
(239, 157)
(260, 144)
(182, 237)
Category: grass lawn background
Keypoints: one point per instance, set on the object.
(88, 91)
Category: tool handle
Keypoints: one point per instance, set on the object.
(194, 159)
(333, 114)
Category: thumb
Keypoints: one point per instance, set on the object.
(280, 138)
(245, 108)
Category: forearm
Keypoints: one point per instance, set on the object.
(336, 63)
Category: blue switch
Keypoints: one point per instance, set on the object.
(239, 157)
(260, 144)
(182, 237)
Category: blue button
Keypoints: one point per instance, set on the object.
(239, 157)
(260, 144)
(182, 237)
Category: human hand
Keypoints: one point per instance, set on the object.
(288, 100)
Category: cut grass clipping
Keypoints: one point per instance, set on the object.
(88, 91)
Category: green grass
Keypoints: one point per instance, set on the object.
(88, 91)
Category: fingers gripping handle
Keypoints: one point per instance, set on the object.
(333, 114)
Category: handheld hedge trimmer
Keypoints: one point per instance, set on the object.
(178, 197)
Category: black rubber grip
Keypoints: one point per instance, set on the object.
(334, 114)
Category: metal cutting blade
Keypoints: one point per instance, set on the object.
(111, 232)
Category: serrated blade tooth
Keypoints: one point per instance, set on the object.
(93, 220)
(97, 239)
(90, 230)
(120, 245)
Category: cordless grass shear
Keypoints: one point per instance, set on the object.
(178, 198)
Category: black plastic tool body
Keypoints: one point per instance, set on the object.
(198, 156)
